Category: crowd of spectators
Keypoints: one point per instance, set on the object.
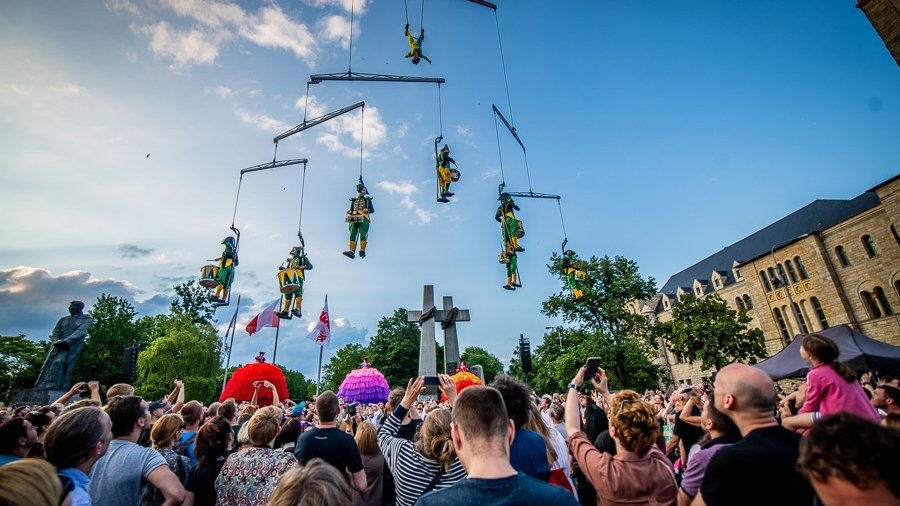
(742, 439)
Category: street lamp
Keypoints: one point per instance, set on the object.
(782, 279)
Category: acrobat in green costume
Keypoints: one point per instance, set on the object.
(224, 272)
(512, 227)
(358, 218)
(574, 276)
(293, 274)
(415, 46)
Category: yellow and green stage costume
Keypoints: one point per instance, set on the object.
(512, 230)
(224, 270)
(290, 281)
(415, 46)
(574, 277)
(358, 220)
(444, 173)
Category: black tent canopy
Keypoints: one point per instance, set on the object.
(858, 351)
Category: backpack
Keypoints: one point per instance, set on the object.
(181, 447)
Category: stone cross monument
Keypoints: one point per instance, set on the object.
(448, 316)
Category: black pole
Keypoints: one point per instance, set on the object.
(275, 353)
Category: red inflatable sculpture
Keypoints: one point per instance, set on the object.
(240, 386)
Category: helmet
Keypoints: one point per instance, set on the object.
(229, 241)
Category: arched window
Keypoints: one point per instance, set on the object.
(842, 256)
(739, 303)
(801, 268)
(790, 326)
(797, 314)
(897, 287)
(883, 302)
(765, 280)
(776, 282)
(894, 233)
(791, 272)
(819, 312)
(804, 308)
(748, 301)
(870, 305)
(782, 327)
(781, 275)
(869, 245)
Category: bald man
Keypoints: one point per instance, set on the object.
(760, 468)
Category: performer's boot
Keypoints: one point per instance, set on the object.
(515, 281)
(508, 284)
(284, 313)
(578, 294)
(362, 249)
(215, 296)
(515, 243)
(296, 311)
(351, 253)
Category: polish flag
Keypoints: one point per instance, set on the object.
(265, 318)
(321, 333)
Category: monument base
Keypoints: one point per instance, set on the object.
(37, 396)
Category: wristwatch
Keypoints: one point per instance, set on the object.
(571, 386)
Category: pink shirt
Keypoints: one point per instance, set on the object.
(829, 393)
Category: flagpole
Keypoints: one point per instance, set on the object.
(275, 353)
(319, 375)
(233, 327)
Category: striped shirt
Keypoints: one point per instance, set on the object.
(412, 471)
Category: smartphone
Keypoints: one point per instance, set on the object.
(431, 380)
(590, 368)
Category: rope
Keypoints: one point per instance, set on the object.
(233, 216)
(275, 155)
(422, 22)
(302, 191)
(350, 57)
(362, 131)
(499, 151)
(406, 8)
(563, 221)
(503, 61)
(527, 171)
(306, 104)
(440, 111)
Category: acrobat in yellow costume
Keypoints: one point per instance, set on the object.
(290, 280)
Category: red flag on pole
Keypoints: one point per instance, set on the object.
(321, 333)
(265, 318)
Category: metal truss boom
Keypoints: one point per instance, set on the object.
(273, 165)
(533, 195)
(361, 76)
(315, 121)
(486, 4)
(511, 128)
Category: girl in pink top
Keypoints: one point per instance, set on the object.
(831, 386)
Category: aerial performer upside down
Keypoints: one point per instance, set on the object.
(290, 281)
(223, 273)
(574, 277)
(415, 46)
(445, 173)
(358, 219)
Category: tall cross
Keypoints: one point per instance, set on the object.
(448, 318)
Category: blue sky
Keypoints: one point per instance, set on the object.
(669, 130)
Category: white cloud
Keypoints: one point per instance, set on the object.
(254, 92)
(49, 90)
(272, 28)
(465, 132)
(406, 189)
(123, 6)
(194, 46)
(373, 129)
(490, 173)
(223, 91)
(401, 130)
(315, 110)
(359, 6)
(337, 28)
(262, 122)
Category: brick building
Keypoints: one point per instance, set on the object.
(831, 262)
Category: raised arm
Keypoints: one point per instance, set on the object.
(686, 415)
(76, 388)
(179, 401)
(165, 480)
(448, 386)
(275, 400)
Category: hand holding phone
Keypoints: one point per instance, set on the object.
(590, 368)
(431, 380)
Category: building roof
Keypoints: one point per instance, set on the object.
(814, 217)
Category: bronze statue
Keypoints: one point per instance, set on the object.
(66, 342)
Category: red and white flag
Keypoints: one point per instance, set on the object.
(265, 318)
(321, 333)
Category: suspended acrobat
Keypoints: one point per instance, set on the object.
(415, 46)
(512, 230)
(358, 219)
(574, 276)
(446, 175)
(291, 275)
(222, 273)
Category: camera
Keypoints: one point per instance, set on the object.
(350, 409)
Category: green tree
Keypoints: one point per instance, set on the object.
(20, 363)
(601, 324)
(185, 350)
(709, 331)
(193, 300)
(299, 388)
(394, 349)
(347, 358)
(489, 363)
(114, 328)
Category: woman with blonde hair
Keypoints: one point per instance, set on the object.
(165, 432)
(373, 465)
(315, 484)
(29, 482)
(249, 476)
(431, 462)
(639, 472)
